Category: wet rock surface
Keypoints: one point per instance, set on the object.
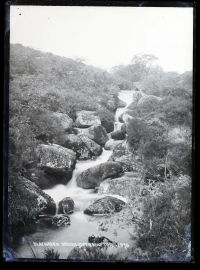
(66, 206)
(93, 176)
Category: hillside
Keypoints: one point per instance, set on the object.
(42, 83)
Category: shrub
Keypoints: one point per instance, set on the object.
(51, 254)
(166, 215)
(136, 130)
(177, 111)
(107, 119)
(92, 253)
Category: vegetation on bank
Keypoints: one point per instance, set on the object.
(159, 133)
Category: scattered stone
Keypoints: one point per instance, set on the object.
(60, 220)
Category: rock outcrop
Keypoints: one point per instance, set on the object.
(93, 176)
(84, 147)
(105, 205)
(87, 118)
(65, 121)
(97, 133)
(56, 163)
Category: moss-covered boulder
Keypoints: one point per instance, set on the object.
(56, 163)
(84, 147)
(96, 133)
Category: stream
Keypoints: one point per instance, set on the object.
(65, 239)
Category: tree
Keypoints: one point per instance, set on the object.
(143, 62)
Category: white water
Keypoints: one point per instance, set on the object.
(127, 97)
(81, 196)
(82, 225)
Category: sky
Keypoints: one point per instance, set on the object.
(107, 36)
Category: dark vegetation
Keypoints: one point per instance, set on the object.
(166, 158)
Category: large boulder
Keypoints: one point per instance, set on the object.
(87, 118)
(65, 121)
(124, 186)
(111, 144)
(96, 133)
(66, 206)
(26, 202)
(56, 162)
(93, 176)
(105, 205)
(84, 147)
(118, 134)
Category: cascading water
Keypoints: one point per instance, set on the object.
(127, 97)
(82, 225)
(81, 196)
